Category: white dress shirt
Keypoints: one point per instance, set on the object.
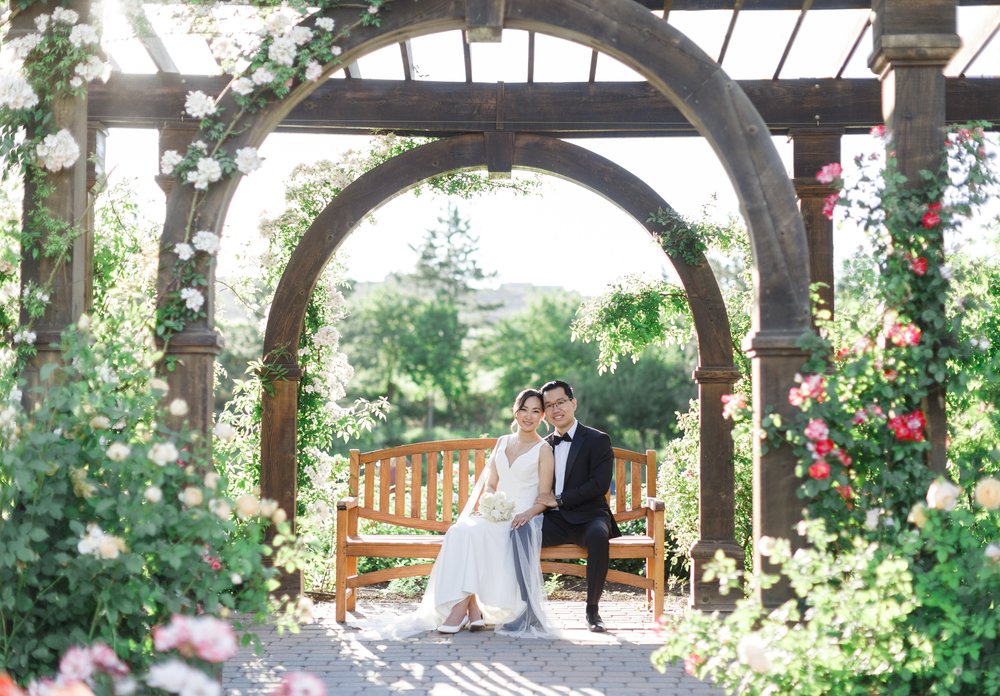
(561, 452)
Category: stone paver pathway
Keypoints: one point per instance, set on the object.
(481, 663)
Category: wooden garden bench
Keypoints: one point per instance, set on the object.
(423, 486)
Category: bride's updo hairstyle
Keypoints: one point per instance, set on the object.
(519, 402)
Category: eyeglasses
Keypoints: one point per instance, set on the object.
(556, 404)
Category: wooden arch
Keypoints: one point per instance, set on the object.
(694, 84)
(715, 373)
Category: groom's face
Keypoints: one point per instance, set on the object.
(559, 409)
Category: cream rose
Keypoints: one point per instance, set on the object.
(987, 493)
(943, 495)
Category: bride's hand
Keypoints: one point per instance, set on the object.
(520, 520)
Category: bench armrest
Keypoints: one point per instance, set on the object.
(655, 504)
(347, 503)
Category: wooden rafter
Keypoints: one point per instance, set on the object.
(531, 57)
(154, 46)
(467, 54)
(975, 45)
(806, 5)
(667, 6)
(352, 71)
(859, 33)
(577, 109)
(406, 54)
(737, 6)
(593, 66)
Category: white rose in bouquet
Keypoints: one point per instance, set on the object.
(495, 507)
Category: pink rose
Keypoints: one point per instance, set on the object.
(829, 173)
(816, 429)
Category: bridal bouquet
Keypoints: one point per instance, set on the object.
(495, 507)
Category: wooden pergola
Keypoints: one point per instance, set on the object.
(918, 86)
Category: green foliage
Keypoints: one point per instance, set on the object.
(678, 485)
(111, 461)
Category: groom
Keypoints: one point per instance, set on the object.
(578, 512)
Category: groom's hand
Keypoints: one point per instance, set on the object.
(546, 499)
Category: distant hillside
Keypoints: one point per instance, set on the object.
(510, 298)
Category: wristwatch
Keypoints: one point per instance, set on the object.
(559, 501)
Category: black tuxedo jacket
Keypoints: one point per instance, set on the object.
(588, 478)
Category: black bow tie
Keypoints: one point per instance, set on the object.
(557, 438)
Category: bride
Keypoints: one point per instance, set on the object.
(473, 582)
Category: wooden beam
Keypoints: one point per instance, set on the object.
(406, 53)
(484, 20)
(593, 67)
(352, 71)
(563, 109)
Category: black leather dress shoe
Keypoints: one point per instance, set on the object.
(595, 623)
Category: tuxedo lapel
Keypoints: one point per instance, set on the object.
(574, 449)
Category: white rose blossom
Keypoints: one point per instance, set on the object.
(118, 451)
(752, 651)
(224, 431)
(326, 23)
(220, 508)
(92, 69)
(992, 552)
(262, 76)
(212, 480)
(943, 495)
(42, 22)
(176, 677)
(987, 493)
(159, 384)
(178, 407)
(242, 86)
(278, 23)
(163, 453)
(25, 337)
(206, 241)
(83, 34)
(247, 160)
(191, 496)
(183, 250)
(247, 506)
(58, 151)
(153, 494)
(299, 35)
(199, 105)
(207, 172)
(193, 299)
(16, 93)
(20, 47)
(169, 160)
(313, 71)
(65, 16)
(282, 51)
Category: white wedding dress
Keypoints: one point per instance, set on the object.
(477, 557)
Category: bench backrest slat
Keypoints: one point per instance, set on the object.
(426, 484)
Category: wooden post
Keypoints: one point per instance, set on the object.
(279, 464)
(173, 137)
(913, 42)
(775, 358)
(811, 149)
(66, 278)
(716, 488)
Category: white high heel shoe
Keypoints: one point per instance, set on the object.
(445, 628)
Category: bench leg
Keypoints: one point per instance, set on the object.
(352, 594)
(342, 564)
(649, 590)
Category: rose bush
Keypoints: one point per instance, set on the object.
(896, 585)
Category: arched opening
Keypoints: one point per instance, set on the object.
(715, 373)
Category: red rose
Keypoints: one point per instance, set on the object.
(829, 204)
(823, 447)
(919, 265)
(819, 470)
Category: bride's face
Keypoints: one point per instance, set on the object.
(530, 414)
